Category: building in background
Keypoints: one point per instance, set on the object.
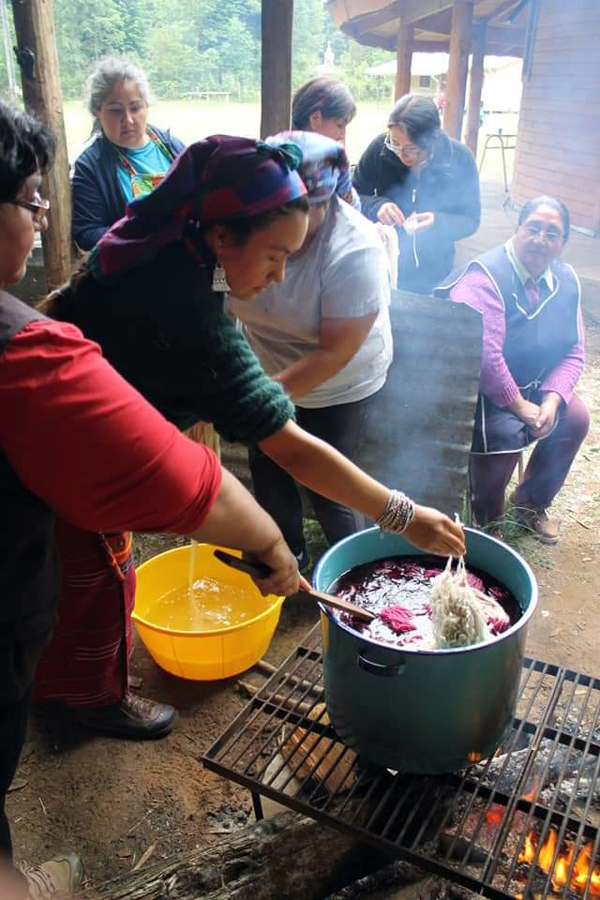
(558, 131)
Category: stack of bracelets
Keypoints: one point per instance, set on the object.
(398, 513)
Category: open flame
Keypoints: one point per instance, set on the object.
(564, 861)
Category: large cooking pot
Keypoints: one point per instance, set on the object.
(423, 711)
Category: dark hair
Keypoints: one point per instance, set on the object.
(244, 227)
(26, 147)
(418, 116)
(547, 200)
(326, 95)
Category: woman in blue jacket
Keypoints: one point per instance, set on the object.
(126, 158)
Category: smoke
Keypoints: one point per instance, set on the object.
(429, 400)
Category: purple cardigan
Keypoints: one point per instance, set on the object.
(477, 291)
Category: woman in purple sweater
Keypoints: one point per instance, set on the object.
(532, 358)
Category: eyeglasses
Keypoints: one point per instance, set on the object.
(406, 149)
(550, 234)
(38, 207)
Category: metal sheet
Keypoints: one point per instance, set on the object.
(423, 423)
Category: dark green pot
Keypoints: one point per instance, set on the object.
(427, 712)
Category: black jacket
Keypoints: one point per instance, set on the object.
(29, 567)
(98, 198)
(448, 186)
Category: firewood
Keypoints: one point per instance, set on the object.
(287, 857)
(309, 754)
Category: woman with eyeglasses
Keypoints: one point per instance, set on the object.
(127, 156)
(426, 185)
(532, 358)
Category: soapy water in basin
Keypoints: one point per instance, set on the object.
(207, 606)
(402, 586)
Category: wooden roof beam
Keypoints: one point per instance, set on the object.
(505, 7)
(412, 11)
(372, 20)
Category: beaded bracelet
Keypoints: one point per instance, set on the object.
(398, 513)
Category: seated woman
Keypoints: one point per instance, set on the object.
(326, 106)
(228, 215)
(426, 185)
(324, 334)
(532, 359)
(126, 158)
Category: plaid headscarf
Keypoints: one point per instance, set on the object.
(325, 169)
(215, 179)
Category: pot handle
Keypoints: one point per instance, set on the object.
(387, 670)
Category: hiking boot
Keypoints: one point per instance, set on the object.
(536, 521)
(134, 717)
(60, 876)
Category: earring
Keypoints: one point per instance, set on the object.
(219, 281)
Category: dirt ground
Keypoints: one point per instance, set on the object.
(112, 800)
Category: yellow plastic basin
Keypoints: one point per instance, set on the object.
(198, 641)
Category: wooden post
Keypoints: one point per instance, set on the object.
(276, 66)
(460, 41)
(476, 84)
(404, 54)
(40, 77)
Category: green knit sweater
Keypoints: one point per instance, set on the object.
(164, 329)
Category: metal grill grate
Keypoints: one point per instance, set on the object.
(471, 827)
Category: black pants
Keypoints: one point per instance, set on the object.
(341, 426)
(13, 725)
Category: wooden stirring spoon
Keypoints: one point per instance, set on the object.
(259, 570)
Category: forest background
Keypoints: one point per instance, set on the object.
(192, 45)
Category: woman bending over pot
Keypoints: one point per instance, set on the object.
(227, 217)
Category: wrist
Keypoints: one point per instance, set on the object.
(398, 513)
(551, 398)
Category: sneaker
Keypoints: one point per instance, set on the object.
(134, 717)
(537, 522)
(61, 875)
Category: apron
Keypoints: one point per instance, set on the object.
(143, 183)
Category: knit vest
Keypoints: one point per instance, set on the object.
(29, 568)
(535, 340)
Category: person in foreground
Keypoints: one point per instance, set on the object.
(78, 442)
(226, 217)
(532, 359)
(425, 184)
(127, 157)
(324, 334)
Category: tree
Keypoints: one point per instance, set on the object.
(194, 71)
(239, 58)
(308, 40)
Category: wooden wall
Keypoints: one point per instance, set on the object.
(558, 145)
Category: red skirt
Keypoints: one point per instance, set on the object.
(86, 663)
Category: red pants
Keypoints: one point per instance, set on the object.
(544, 476)
(86, 663)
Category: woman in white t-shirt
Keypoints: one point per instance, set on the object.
(324, 334)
